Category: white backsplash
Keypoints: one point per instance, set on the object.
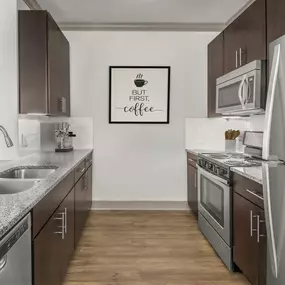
(38, 133)
(208, 134)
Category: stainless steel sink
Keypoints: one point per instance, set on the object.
(16, 186)
(31, 172)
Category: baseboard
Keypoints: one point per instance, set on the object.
(141, 205)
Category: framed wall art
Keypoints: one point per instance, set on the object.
(139, 94)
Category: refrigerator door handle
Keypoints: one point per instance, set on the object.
(269, 104)
(269, 222)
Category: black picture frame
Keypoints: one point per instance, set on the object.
(168, 68)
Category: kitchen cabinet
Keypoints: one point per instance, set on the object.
(192, 188)
(215, 70)
(54, 245)
(275, 19)
(44, 71)
(83, 202)
(245, 37)
(249, 232)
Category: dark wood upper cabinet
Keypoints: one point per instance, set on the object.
(275, 19)
(44, 72)
(245, 38)
(215, 70)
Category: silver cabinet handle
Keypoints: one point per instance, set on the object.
(251, 221)
(240, 55)
(191, 160)
(258, 228)
(3, 262)
(62, 103)
(236, 58)
(65, 220)
(254, 194)
(195, 180)
(62, 227)
(80, 170)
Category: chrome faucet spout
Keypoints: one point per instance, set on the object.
(7, 138)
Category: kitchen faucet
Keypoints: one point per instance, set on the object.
(8, 140)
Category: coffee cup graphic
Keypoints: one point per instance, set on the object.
(140, 82)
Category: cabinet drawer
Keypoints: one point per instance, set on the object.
(88, 160)
(45, 208)
(79, 170)
(191, 159)
(248, 189)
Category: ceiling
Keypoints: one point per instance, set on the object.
(72, 12)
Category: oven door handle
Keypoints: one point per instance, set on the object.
(211, 176)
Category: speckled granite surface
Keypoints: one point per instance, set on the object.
(254, 173)
(197, 151)
(15, 206)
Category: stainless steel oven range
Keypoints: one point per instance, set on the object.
(214, 205)
(215, 199)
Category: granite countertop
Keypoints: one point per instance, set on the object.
(197, 151)
(13, 207)
(254, 172)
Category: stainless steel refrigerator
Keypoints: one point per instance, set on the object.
(274, 175)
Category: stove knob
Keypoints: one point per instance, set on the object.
(210, 166)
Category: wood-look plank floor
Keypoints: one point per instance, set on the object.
(146, 248)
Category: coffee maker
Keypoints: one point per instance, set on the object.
(64, 137)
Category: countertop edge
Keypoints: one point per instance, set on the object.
(247, 175)
(6, 229)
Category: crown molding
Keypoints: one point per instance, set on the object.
(206, 27)
(33, 4)
(239, 12)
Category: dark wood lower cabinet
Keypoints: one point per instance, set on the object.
(65, 210)
(249, 240)
(192, 188)
(54, 246)
(83, 201)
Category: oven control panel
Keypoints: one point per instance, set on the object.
(213, 168)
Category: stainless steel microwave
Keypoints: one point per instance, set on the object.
(240, 92)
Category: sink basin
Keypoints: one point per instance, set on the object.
(32, 172)
(16, 186)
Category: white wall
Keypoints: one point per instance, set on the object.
(9, 75)
(139, 162)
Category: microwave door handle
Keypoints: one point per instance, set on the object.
(240, 93)
(270, 103)
(245, 91)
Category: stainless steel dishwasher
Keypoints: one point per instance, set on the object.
(16, 255)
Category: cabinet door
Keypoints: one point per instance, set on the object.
(245, 238)
(245, 38)
(262, 246)
(231, 46)
(48, 252)
(58, 70)
(67, 207)
(54, 245)
(32, 62)
(80, 206)
(89, 190)
(215, 70)
(192, 189)
(275, 19)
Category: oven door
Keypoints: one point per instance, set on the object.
(214, 203)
